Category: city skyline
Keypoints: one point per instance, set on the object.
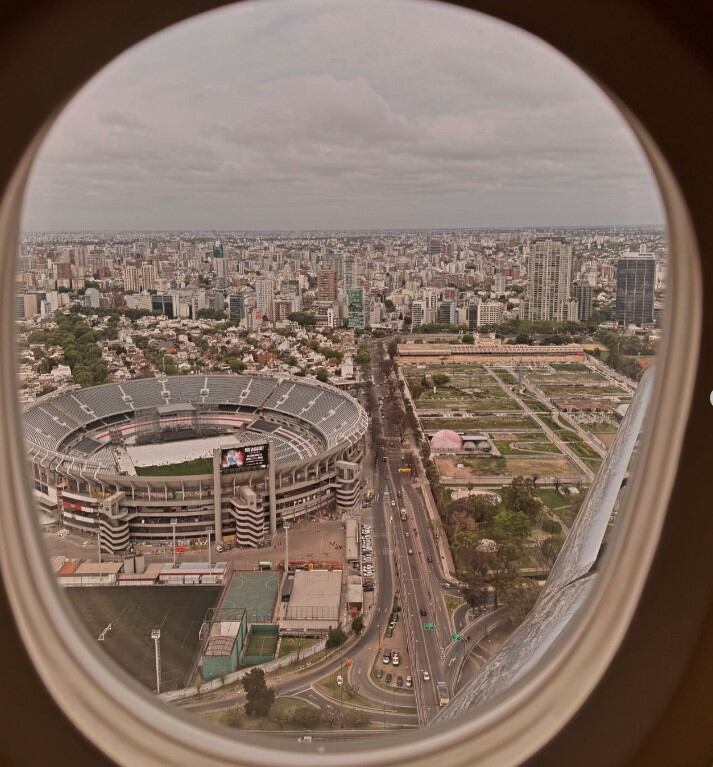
(456, 122)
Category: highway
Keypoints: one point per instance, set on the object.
(419, 581)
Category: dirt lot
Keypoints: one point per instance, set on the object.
(320, 539)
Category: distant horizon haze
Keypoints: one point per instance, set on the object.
(338, 115)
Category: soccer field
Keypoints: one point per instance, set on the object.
(133, 612)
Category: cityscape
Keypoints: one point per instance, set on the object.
(336, 467)
(336, 330)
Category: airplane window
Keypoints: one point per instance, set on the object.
(339, 330)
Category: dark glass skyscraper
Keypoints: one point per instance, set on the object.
(635, 280)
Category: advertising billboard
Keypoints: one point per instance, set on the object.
(244, 458)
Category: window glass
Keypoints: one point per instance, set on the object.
(334, 323)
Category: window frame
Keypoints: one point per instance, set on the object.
(596, 658)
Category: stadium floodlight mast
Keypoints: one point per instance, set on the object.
(174, 522)
(156, 636)
(210, 562)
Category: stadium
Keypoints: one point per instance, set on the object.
(235, 455)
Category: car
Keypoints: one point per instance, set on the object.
(379, 673)
(393, 503)
(446, 585)
(304, 739)
(340, 680)
(407, 534)
(409, 680)
(399, 681)
(395, 660)
(388, 678)
(426, 676)
(428, 558)
(410, 551)
(388, 633)
(423, 612)
(387, 657)
(392, 625)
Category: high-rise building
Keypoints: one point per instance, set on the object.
(472, 316)
(635, 280)
(265, 297)
(355, 303)
(350, 271)
(327, 285)
(418, 312)
(549, 279)
(217, 249)
(131, 279)
(489, 313)
(236, 307)
(584, 294)
(148, 277)
(92, 298)
(447, 313)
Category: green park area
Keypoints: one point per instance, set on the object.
(288, 714)
(563, 506)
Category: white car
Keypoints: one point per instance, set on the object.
(340, 680)
(426, 676)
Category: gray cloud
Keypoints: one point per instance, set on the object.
(336, 114)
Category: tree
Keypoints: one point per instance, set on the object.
(440, 379)
(467, 338)
(322, 375)
(358, 624)
(335, 637)
(260, 696)
(519, 596)
(510, 524)
(393, 348)
(416, 390)
(520, 496)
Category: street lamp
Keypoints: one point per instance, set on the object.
(174, 522)
(156, 636)
(210, 562)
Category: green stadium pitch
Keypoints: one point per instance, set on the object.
(132, 612)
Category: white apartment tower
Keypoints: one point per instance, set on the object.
(265, 296)
(148, 277)
(131, 279)
(549, 279)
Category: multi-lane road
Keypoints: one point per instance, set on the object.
(415, 556)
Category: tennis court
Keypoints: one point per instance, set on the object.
(255, 592)
(125, 616)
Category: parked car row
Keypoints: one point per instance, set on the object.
(367, 565)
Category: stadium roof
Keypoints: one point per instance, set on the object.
(57, 427)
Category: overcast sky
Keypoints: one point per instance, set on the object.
(312, 114)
